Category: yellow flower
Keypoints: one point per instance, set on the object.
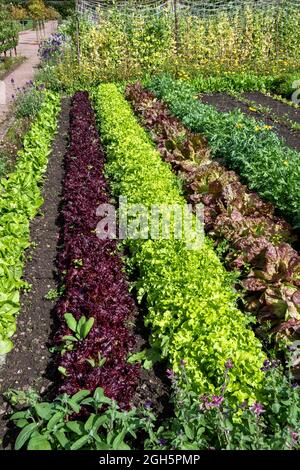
(257, 128)
(268, 127)
(285, 162)
(239, 125)
(252, 109)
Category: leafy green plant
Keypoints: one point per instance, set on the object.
(245, 145)
(211, 422)
(20, 199)
(191, 305)
(52, 295)
(80, 328)
(46, 426)
(233, 82)
(147, 357)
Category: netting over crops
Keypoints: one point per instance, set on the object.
(131, 39)
(91, 8)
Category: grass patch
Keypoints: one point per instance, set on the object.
(9, 64)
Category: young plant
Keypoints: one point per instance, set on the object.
(80, 328)
(53, 426)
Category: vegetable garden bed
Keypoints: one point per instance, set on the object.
(226, 103)
(256, 240)
(147, 321)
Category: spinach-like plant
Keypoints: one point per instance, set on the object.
(46, 426)
(80, 328)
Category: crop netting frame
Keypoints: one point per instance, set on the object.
(203, 8)
(184, 16)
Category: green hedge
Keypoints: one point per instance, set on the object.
(190, 300)
(20, 199)
(245, 145)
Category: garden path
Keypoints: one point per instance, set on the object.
(28, 47)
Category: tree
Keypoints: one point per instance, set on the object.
(37, 10)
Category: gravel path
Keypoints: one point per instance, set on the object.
(28, 47)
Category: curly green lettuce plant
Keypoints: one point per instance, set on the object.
(191, 304)
(245, 145)
(20, 199)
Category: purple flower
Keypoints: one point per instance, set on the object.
(294, 385)
(216, 401)
(162, 442)
(266, 366)
(229, 364)
(170, 374)
(275, 363)
(13, 97)
(182, 362)
(244, 404)
(203, 398)
(148, 405)
(257, 408)
(12, 81)
(294, 436)
(292, 347)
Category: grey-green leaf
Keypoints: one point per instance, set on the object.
(39, 443)
(80, 395)
(44, 410)
(76, 427)
(24, 435)
(80, 443)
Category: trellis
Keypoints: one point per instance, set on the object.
(184, 15)
(202, 8)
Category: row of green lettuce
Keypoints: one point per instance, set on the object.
(246, 81)
(242, 143)
(191, 305)
(20, 199)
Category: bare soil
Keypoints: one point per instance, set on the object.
(226, 103)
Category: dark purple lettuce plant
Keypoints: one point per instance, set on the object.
(92, 273)
(257, 241)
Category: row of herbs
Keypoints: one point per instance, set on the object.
(243, 144)
(248, 235)
(20, 200)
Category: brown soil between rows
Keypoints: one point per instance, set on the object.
(278, 108)
(226, 103)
